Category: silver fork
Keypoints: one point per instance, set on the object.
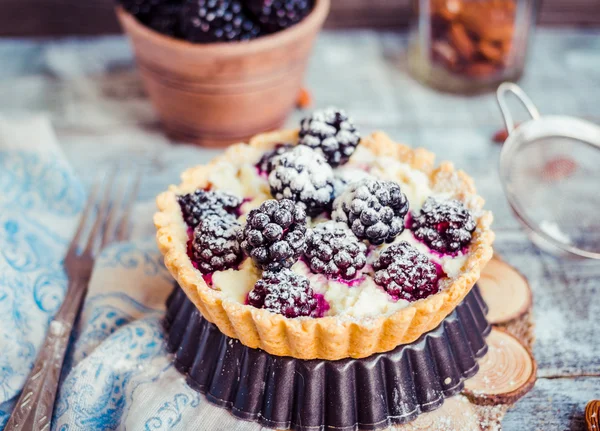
(109, 221)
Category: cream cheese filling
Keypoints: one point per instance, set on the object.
(236, 283)
(358, 298)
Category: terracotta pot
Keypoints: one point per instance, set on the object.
(219, 93)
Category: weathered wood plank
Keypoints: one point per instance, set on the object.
(565, 324)
(99, 109)
(93, 84)
(553, 405)
(93, 17)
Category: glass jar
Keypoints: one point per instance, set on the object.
(469, 46)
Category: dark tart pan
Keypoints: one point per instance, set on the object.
(371, 393)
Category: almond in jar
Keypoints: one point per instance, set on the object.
(469, 46)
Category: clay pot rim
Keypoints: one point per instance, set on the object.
(260, 44)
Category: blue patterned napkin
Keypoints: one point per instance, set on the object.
(39, 202)
(117, 374)
(120, 375)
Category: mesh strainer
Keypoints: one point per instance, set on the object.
(550, 171)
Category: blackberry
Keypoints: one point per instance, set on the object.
(274, 235)
(160, 15)
(201, 203)
(373, 209)
(405, 273)
(275, 15)
(215, 246)
(265, 163)
(445, 226)
(286, 293)
(142, 9)
(206, 21)
(303, 176)
(345, 176)
(165, 18)
(330, 132)
(333, 249)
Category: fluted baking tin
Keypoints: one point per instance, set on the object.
(371, 393)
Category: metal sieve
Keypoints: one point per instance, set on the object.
(550, 172)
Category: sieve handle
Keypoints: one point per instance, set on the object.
(510, 87)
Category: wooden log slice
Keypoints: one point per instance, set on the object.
(506, 372)
(457, 413)
(592, 415)
(505, 291)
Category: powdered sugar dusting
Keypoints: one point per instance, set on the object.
(334, 250)
(444, 225)
(373, 209)
(286, 293)
(456, 414)
(355, 300)
(331, 133)
(347, 175)
(302, 175)
(322, 123)
(215, 246)
(406, 273)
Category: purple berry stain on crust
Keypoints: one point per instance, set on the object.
(286, 293)
(446, 227)
(405, 273)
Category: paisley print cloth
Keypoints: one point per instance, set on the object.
(117, 373)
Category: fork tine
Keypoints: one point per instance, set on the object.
(122, 231)
(100, 221)
(121, 204)
(112, 215)
(84, 217)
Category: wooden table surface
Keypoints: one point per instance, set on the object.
(93, 17)
(91, 91)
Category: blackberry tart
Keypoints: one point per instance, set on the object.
(303, 251)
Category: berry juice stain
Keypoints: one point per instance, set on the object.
(322, 305)
(208, 279)
(349, 283)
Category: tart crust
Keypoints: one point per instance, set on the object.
(330, 337)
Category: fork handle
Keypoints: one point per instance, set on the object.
(33, 410)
